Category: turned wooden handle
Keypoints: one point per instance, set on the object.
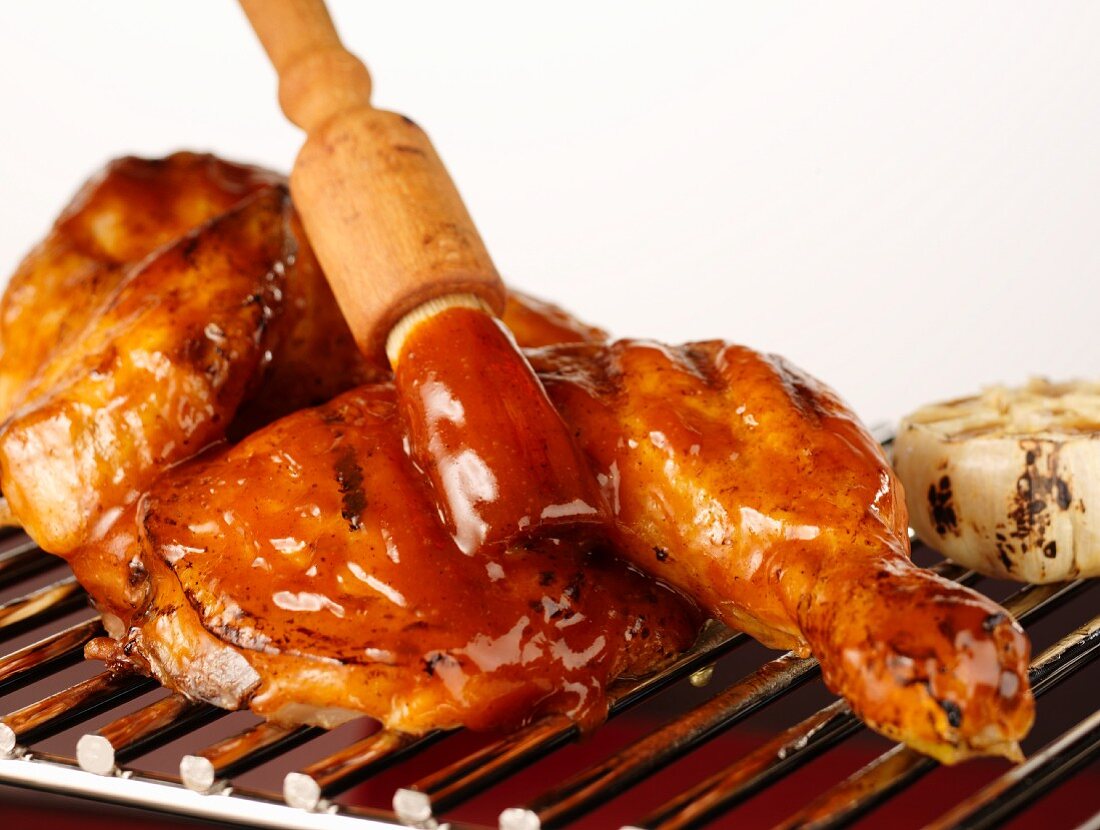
(380, 210)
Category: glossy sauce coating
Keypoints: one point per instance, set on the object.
(123, 214)
(168, 296)
(750, 487)
(317, 541)
(501, 462)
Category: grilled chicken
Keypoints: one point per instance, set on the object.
(162, 339)
(313, 571)
(750, 487)
(171, 302)
(306, 572)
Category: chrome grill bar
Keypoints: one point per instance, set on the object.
(803, 742)
(47, 655)
(209, 770)
(40, 606)
(158, 793)
(420, 802)
(21, 558)
(57, 712)
(310, 788)
(142, 731)
(593, 786)
(899, 767)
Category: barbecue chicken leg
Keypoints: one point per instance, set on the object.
(750, 487)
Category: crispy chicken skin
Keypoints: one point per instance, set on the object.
(752, 488)
(307, 573)
(315, 572)
(123, 214)
(169, 294)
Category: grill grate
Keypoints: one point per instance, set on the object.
(101, 766)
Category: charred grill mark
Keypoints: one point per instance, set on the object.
(136, 573)
(573, 589)
(993, 620)
(1038, 489)
(953, 712)
(803, 392)
(436, 658)
(1062, 495)
(941, 507)
(349, 478)
(187, 251)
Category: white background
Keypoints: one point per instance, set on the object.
(901, 197)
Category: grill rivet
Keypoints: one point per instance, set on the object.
(702, 677)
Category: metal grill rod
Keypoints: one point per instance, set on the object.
(310, 788)
(445, 788)
(142, 731)
(1024, 784)
(803, 742)
(593, 786)
(57, 712)
(21, 558)
(596, 784)
(40, 606)
(761, 768)
(164, 795)
(210, 769)
(900, 766)
(66, 647)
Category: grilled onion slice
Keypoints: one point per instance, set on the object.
(1008, 482)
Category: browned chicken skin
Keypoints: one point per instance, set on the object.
(314, 571)
(750, 487)
(169, 300)
(215, 333)
(314, 550)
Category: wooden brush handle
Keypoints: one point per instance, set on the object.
(379, 208)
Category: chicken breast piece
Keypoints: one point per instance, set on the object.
(307, 573)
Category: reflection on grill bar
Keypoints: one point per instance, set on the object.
(20, 558)
(892, 771)
(808, 739)
(470, 775)
(57, 712)
(48, 654)
(40, 606)
(344, 769)
(141, 731)
(593, 786)
(208, 770)
(1023, 784)
(215, 768)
